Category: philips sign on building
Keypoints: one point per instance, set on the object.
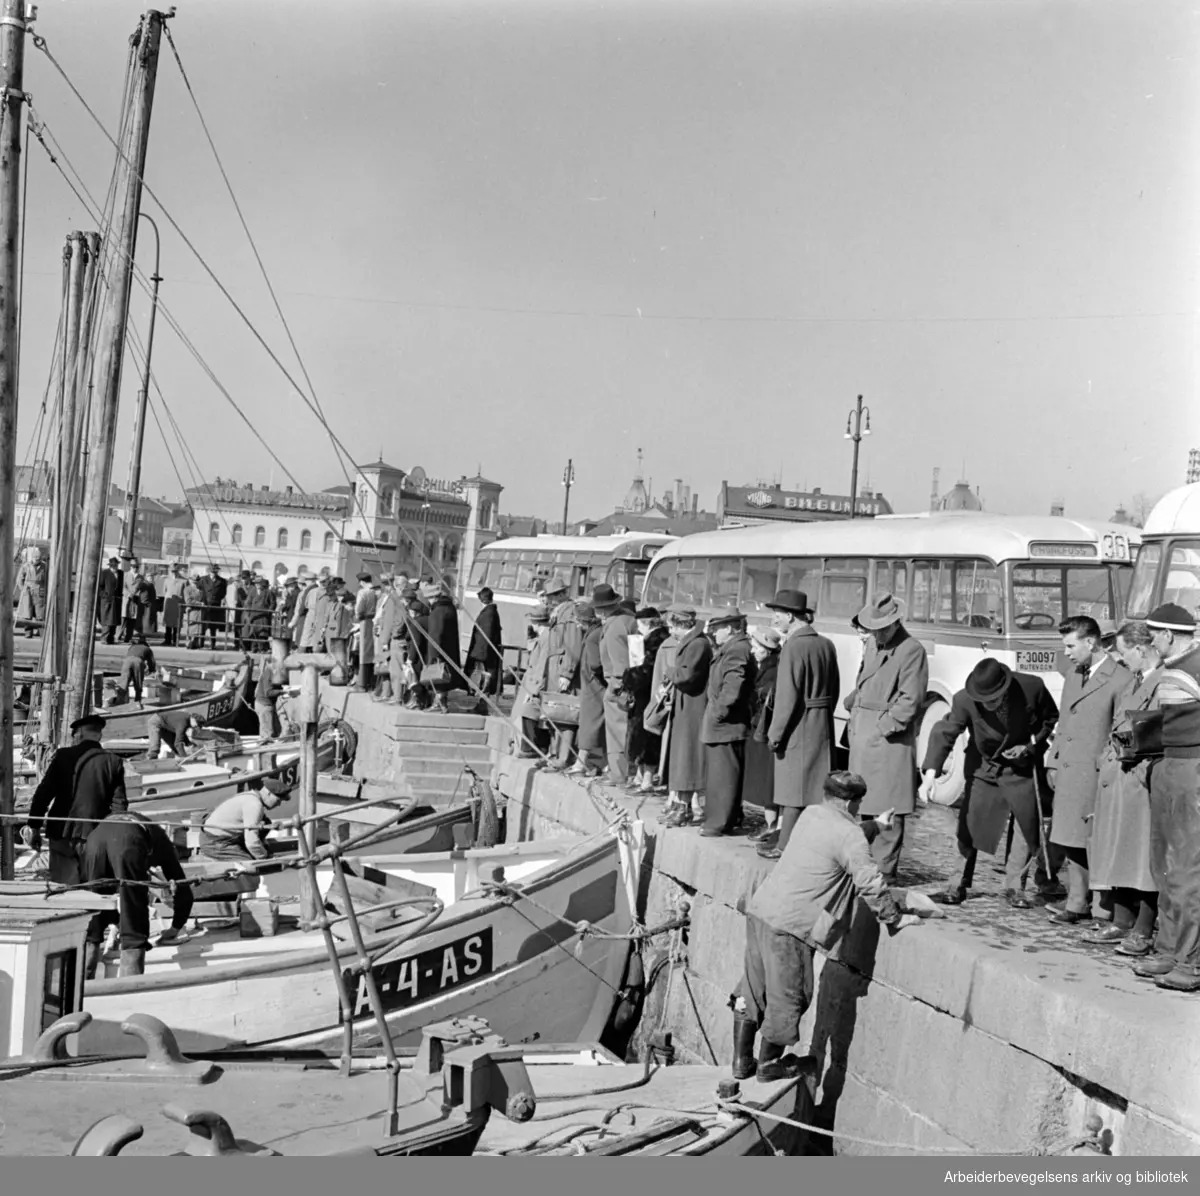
(742, 505)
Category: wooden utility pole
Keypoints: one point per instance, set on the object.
(106, 373)
(12, 96)
(568, 482)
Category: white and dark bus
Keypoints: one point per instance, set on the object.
(516, 569)
(973, 585)
(1168, 562)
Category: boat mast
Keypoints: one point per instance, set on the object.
(12, 96)
(107, 371)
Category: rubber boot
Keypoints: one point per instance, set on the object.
(133, 963)
(744, 1031)
(774, 1065)
(91, 959)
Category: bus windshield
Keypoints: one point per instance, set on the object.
(1044, 595)
(1180, 577)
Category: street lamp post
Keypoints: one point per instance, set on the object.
(855, 421)
(424, 527)
(568, 481)
(139, 436)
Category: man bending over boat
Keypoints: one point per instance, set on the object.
(233, 831)
(82, 785)
(172, 727)
(118, 856)
(806, 903)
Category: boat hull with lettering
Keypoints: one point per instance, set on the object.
(545, 965)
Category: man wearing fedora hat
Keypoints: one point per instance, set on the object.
(884, 708)
(619, 624)
(366, 606)
(82, 785)
(727, 714)
(801, 731)
(687, 674)
(1009, 718)
(563, 651)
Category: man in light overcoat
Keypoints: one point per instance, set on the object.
(885, 708)
(1090, 694)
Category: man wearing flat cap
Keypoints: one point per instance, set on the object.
(805, 904)
(884, 707)
(83, 784)
(564, 648)
(727, 714)
(619, 624)
(1009, 718)
(801, 732)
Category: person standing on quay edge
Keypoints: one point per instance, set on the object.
(884, 706)
(1091, 695)
(484, 659)
(801, 732)
(726, 726)
(614, 660)
(688, 676)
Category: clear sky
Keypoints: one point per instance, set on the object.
(506, 234)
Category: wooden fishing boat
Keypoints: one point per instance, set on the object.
(542, 960)
(225, 707)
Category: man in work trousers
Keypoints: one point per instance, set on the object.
(1009, 718)
(83, 785)
(884, 708)
(1090, 695)
(806, 903)
(726, 724)
(117, 857)
(172, 727)
(801, 732)
(1175, 806)
(485, 651)
(614, 660)
(563, 654)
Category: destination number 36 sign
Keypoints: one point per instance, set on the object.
(415, 978)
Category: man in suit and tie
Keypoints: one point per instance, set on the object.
(1090, 694)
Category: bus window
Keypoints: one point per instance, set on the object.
(1182, 582)
(760, 579)
(660, 588)
(479, 572)
(891, 577)
(1141, 588)
(800, 573)
(1121, 577)
(841, 597)
(1089, 593)
(504, 574)
(1045, 595)
(723, 575)
(689, 582)
(526, 575)
(924, 587)
(986, 599)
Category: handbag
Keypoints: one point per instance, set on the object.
(435, 674)
(561, 708)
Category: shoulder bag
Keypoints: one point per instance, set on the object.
(561, 708)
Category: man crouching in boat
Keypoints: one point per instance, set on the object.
(806, 903)
(118, 855)
(233, 831)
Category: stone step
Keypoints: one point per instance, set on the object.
(401, 717)
(412, 749)
(416, 770)
(430, 732)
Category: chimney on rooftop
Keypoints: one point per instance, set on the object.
(816, 489)
(695, 504)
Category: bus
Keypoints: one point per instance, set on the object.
(1168, 563)
(973, 584)
(516, 569)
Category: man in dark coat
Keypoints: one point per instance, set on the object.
(139, 660)
(214, 588)
(410, 643)
(1091, 692)
(688, 676)
(173, 727)
(443, 647)
(82, 785)
(1009, 718)
(727, 714)
(110, 598)
(619, 624)
(484, 652)
(124, 847)
(590, 742)
(801, 732)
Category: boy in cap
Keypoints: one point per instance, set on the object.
(806, 903)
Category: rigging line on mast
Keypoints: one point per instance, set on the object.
(21, 257)
(238, 208)
(41, 44)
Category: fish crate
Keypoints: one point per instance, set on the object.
(259, 917)
(160, 693)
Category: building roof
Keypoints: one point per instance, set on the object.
(960, 498)
(382, 466)
(520, 525)
(229, 494)
(35, 479)
(652, 521)
(480, 480)
(117, 497)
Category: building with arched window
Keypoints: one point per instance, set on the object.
(306, 541)
(236, 533)
(281, 538)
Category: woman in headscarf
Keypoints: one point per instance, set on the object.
(1119, 848)
(590, 742)
(758, 785)
(643, 747)
(527, 709)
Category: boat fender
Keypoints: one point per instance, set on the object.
(632, 994)
(349, 743)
